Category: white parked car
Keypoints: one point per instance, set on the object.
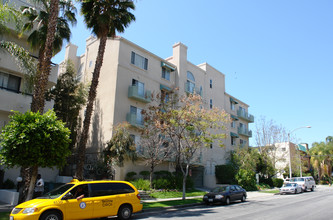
(291, 188)
(307, 183)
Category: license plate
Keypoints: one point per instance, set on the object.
(210, 200)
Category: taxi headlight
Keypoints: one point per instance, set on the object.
(218, 196)
(29, 210)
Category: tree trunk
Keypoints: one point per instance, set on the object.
(89, 108)
(33, 179)
(184, 181)
(43, 72)
(151, 176)
(38, 99)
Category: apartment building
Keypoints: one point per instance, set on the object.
(13, 95)
(282, 153)
(130, 74)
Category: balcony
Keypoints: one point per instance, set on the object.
(244, 131)
(189, 88)
(134, 120)
(17, 101)
(244, 115)
(140, 95)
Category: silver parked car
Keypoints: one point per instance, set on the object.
(291, 188)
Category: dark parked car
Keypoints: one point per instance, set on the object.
(225, 194)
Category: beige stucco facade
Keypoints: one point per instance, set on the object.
(127, 65)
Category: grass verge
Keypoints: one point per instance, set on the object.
(4, 215)
(270, 191)
(175, 194)
(163, 204)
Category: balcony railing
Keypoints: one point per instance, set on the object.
(192, 89)
(134, 120)
(244, 115)
(142, 96)
(244, 131)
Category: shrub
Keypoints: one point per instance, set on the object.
(145, 174)
(141, 184)
(162, 184)
(8, 184)
(162, 174)
(130, 176)
(267, 181)
(246, 179)
(277, 182)
(225, 174)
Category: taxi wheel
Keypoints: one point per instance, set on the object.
(125, 212)
(51, 215)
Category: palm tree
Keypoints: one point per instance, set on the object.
(104, 18)
(40, 23)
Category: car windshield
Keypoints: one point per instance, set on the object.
(221, 189)
(58, 191)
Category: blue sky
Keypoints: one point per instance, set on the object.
(277, 55)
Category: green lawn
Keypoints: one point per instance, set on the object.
(4, 215)
(175, 194)
(149, 205)
(270, 191)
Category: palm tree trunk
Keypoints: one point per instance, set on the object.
(38, 99)
(89, 108)
(43, 72)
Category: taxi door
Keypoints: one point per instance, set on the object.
(105, 202)
(75, 209)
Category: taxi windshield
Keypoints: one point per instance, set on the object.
(58, 191)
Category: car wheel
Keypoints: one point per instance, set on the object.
(243, 198)
(51, 215)
(227, 201)
(295, 191)
(124, 212)
(312, 188)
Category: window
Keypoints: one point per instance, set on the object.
(165, 73)
(211, 84)
(211, 103)
(141, 87)
(139, 61)
(233, 141)
(211, 145)
(232, 106)
(190, 84)
(233, 124)
(90, 63)
(137, 111)
(105, 189)
(10, 82)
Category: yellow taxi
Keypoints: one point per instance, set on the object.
(82, 200)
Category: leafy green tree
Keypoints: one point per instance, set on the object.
(69, 97)
(105, 18)
(34, 140)
(120, 147)
(246, 179)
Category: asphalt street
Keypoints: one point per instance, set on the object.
(310, 205)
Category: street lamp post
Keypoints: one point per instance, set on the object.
(290, 174)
